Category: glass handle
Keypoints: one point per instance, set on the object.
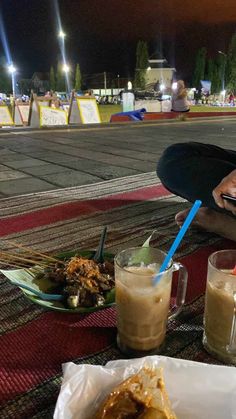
(232, 343)
(181, 289)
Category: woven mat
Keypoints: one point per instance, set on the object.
(35, 342)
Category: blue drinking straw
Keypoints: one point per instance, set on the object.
(177, 241)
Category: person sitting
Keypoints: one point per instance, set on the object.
(202, 171)
(179, 98)
(231, 99)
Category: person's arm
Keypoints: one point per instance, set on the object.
(228, 187)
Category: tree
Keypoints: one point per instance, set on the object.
(210, 70)
(200, 64)
(231, 66)
(77, 77)
(141, 65)
(212, 74)
(221, 72)
(60, 79)
(5, 80)
(24, 86)
(52, 79)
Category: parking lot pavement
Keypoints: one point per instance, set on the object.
(40, 160)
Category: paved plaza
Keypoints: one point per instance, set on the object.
(41, 160)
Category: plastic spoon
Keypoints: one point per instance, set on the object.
(98, 257)
(42, 295)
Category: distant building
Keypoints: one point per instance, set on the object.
(24, 86)
(40, 82)
(159, 72)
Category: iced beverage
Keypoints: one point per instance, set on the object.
(219, 334)
(142, 309)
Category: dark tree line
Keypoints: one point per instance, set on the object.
(220, 70)
(57, 78)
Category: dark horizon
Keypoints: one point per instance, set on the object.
(104, 38)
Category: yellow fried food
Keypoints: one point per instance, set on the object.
(142, 396)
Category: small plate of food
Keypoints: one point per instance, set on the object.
(84, 284)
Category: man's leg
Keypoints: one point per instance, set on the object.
(192, 170)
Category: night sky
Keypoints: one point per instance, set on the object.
(102, 34)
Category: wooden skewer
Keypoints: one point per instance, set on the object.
(2, 262)
(23, 255)
(37, 259)
(30, 270)
(28, 249)
(20, 258)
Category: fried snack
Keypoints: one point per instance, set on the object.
(142, 396)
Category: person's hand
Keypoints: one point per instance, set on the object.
(226, 186)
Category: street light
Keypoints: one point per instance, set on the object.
(130, 85)
(118, 81)
(223, 75)
(61, 34)
(12, 70)
(66, 68)
(223, 53)
(174, 85)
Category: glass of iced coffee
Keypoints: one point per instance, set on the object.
(142, 308)
(220, 306)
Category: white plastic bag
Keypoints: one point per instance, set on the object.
(196, 391)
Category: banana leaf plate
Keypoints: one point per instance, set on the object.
(44, 285)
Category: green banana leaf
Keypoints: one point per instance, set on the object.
(39, 283)
(143, 255)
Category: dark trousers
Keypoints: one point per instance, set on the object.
(192, 170)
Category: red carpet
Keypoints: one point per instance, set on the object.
(35, 342)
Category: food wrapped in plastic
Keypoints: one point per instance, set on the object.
(142, 396)
(195, 390)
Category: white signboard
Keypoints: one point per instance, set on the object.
(88, 111)
(24, 113)
(74, 114)
(52, 117)
(5, 116)
(17, 117)
(166, 105)
(128, 101)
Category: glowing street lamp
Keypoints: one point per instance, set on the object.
(222, 53)
(174, 85)
(66, 68)
(12, 71)
(61, 34)
(130, 85)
